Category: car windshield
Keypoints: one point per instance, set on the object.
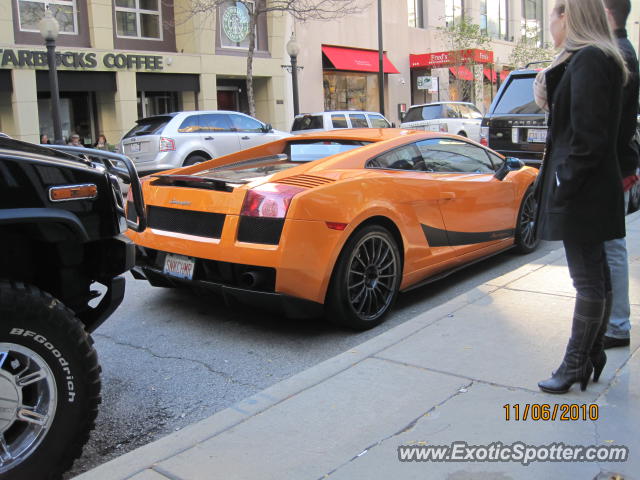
(428, 112)
(148, 126)
(518, 97)
(307, 122)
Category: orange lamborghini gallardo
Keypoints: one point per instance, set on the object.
(336, 222)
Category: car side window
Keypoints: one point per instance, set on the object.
(451, 111)
(378, 121)
(358, 120)
(246, 124)
(470, 111)
(451, 155)
(495, 160)
(214, 122)
(403, 158)
(339, 121)
(191, 124)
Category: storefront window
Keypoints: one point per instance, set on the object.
(138, 19)
(32, 11)
(415, 13)
(234, 18)
(532, 23)
(493, 18)
(350, 91)
(453, 11)
(157, 103)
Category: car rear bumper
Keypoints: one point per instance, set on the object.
(292, 307)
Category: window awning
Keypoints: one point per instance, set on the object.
(461, 73)
(490, 74)
(78, 81)
(357, 60)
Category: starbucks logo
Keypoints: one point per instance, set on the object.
(235, 23)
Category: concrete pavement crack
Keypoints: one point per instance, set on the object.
(224, 375)
(405, 429)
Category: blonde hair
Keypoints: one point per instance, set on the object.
(587, 25)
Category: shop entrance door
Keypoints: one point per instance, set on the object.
(228, 99)
(77, 113)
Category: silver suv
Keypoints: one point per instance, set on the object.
(178, 139)
(317, 122)
(461, 118)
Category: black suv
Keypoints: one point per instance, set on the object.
(62, 224)
(514, 125)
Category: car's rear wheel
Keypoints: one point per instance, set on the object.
(49, 384)
(366, 279)
(193, 159)
(527, 240)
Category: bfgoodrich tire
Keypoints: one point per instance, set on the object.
(366, 279)
(526, 232)
(49, 384)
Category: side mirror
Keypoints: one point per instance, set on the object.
(511, 164)
(267, 128)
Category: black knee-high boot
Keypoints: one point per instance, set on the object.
(576, 365)
(598, 356)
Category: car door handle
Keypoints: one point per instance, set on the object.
(447, 195)
(209, 138)
(245, 138)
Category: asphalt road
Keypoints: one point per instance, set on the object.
(170, 358)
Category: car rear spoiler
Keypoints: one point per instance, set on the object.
(128, 174)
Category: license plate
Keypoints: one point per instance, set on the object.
(536, 135)
(134, 147)
(179, 266)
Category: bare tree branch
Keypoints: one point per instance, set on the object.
(301, 10)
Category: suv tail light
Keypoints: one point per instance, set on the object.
(167, 144)
(484, 136)
(270, 200)
(444, 127)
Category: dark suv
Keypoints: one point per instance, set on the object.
(514, 125)
(63, 251)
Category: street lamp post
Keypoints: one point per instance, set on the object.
(49, 29)
(293, 49)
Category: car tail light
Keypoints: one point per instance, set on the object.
(270, 200)
(484, 136)
(444, 127)
(167, 144)
(484, 142)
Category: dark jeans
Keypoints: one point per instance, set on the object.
(589, 269)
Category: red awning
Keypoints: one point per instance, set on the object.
(490, 74)
(357, 60)
(462, 73)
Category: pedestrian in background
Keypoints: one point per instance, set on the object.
(74, 140)
(618, 327)
(102, 144)
(579, 188)
(44, 139)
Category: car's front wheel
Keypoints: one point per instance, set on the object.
(365, 280)
(49, 384)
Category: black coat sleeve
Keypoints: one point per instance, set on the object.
(593, 80)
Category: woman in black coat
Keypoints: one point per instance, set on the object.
(580, 187)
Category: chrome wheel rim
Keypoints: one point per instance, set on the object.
(28, 399)
(372, 277)
(528, 222)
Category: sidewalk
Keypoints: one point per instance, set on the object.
(440, 377)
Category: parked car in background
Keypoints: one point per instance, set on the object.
(318, 122)
(163, 142)
(514, 125)
(460, 118)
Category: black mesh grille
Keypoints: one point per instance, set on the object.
(201, 224)
(132, 214)
(260, 230)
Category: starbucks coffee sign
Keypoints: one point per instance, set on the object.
(235, 22)
(10, 58)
